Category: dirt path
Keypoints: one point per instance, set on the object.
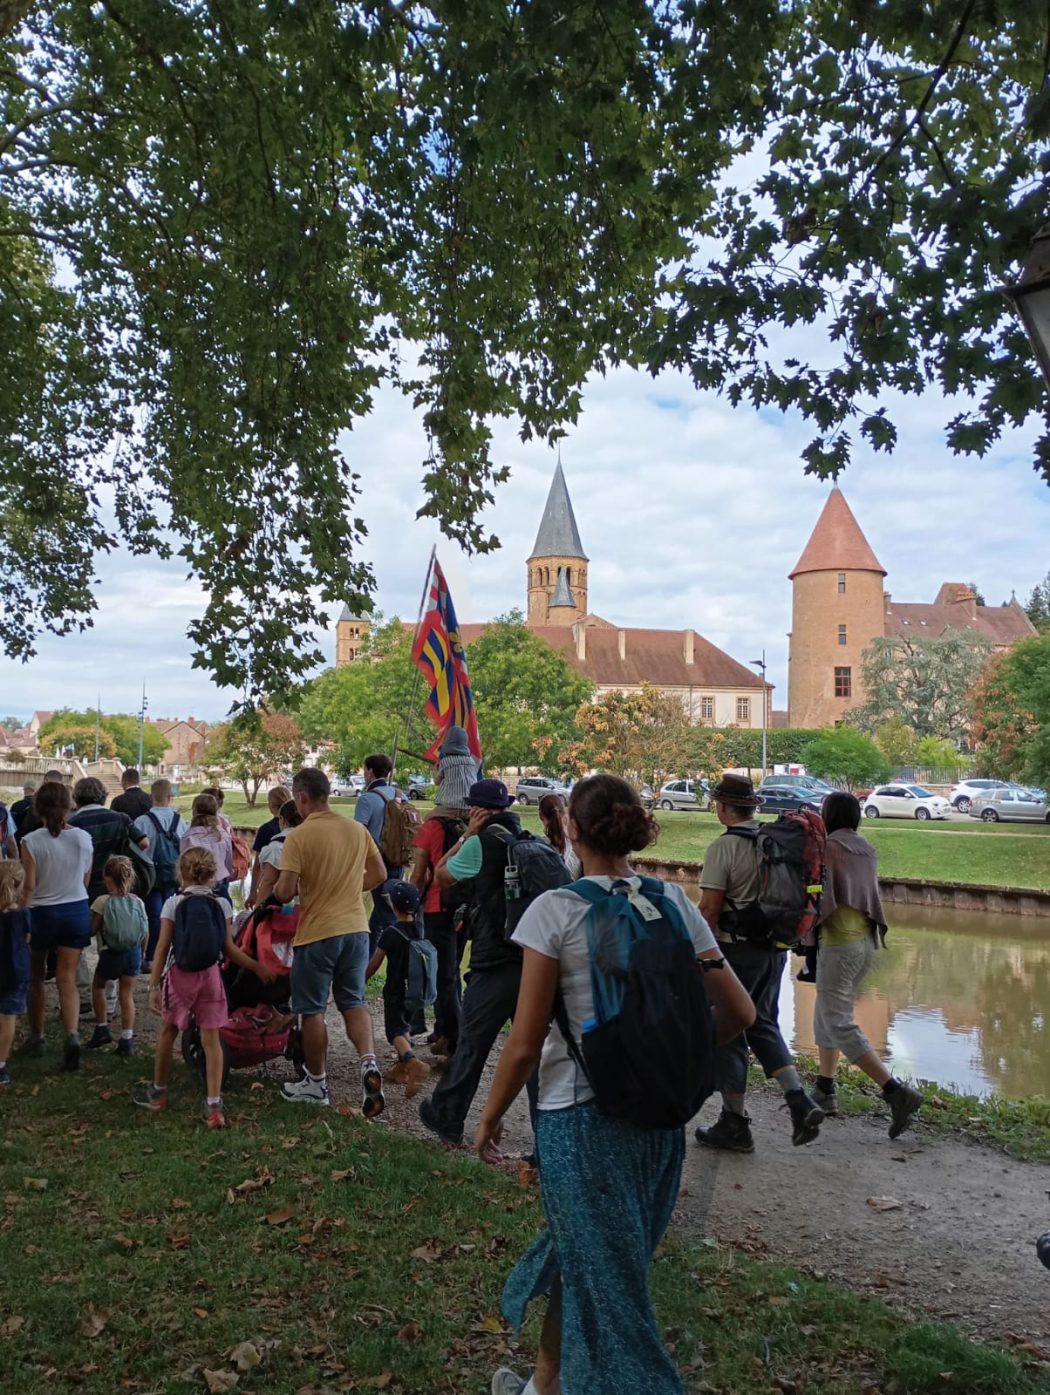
(959, 1245)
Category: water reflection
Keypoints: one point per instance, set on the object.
(958, 997)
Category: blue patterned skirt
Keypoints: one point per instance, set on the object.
(608, 1192)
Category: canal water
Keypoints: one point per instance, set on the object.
(959, 997)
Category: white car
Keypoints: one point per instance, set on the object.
(905, 802)
(968, 792)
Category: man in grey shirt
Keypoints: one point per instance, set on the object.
(371, 811)
(729, 881)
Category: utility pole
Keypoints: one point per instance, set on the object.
(761, 665)
(142, 723)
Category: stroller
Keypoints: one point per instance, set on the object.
(261, 1027)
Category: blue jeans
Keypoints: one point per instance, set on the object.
(760, 971)
(335, 966)
(154, 902)
(115, 964)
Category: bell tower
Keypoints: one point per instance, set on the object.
(351, 637)
(557, 568)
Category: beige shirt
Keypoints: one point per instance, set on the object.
(731, 865)
(329, 854)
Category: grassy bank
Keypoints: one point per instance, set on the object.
(141, 1253)
(985, 854)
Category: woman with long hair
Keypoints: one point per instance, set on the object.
(56, 859)
(555, 821)
(207, 830)
(852, 922)
(608, 1185)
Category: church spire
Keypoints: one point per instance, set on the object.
(558, 535)
(557, 565)
(837, 543)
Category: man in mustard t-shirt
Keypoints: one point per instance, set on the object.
(330, 862)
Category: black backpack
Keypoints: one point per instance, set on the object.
(198, 938)
(165, 849)
(790, 856)
(456, 895)
(533, 867)
(648, 1051)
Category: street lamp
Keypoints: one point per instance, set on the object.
(761, 664)
(1030, 297)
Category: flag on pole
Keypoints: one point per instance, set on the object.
(439, 655)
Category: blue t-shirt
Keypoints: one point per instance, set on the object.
(14, 950)
(371, 807)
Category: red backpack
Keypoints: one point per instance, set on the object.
(790, 855)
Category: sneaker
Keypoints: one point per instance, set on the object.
(730, 1132)
(373, 1101)
(126, 1046)
(5, 1076)
(71, 1056)
(506, 1382)
(101, 1036)
(430, 1117)
(828, 1101)
(305, 1091)
(806, 1117)
(213, 1115)
(150, 1097)
(36, 1046)
(903, 1103)
(415, 1074)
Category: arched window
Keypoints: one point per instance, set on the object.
(568, 576)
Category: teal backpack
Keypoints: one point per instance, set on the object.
(123, 923)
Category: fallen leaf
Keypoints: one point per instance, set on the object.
(200, 1312)
(10, 1325)
(35, 1184)
(257, 1085)
(411, 1332)
(292, 1142)
(379, 1382)
(92, 1323)
(179, 1242)
(884, 1203)
(245, 1356)
(340, 1174)
(778, 1301)
(489, 1323)
(124, 1241)
(263, 1178)
(427, 1253)
(179, 1203)
(218, 1381)
(281, 1216)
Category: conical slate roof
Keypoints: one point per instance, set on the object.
(837, 543)
(562, 594)
(558, 535)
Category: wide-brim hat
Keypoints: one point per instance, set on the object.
(737, 790)
(489, 794)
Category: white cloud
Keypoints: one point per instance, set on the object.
(691, 511)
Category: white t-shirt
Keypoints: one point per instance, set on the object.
(555, 926)
(167, 911)
(271, 854)
(60, 865)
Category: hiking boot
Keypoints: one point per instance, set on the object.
(36, 1046)
(101, 1036)
(373, 1101)
(806, 1116)
(150, 1097)
(5, 1076)
(71, 1055)
(415, 1074)
(432, 1119)
(126, 1046)
(506, 1382)
(827, 1100)
(439, 1046)
(306, 1091)
(731, 1132)
(213, 1115)
(903, 1103)
(396, 1074)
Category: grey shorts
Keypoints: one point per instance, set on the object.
(335, 966)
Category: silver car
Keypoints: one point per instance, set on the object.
(683, 794)
(1012, 806)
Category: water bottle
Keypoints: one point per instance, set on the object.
(512, 882)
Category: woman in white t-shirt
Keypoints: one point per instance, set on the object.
(609, 1186)
(57, 863)
(289, 817)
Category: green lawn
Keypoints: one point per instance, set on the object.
(313, 1253)
(986, 854)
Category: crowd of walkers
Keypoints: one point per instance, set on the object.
(567, 943)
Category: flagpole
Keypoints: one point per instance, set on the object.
(405, 723)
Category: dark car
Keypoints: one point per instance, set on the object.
(789, 801)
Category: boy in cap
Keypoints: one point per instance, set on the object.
(393, 947)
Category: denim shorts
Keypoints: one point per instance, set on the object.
(13, 1004)
(66, 926)
(337, 966)
(118, 963)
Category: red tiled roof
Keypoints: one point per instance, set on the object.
(1002, 624)
(650, 656)
(837, 543)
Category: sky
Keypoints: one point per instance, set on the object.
(692, 513)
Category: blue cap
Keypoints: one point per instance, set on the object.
(403, 896)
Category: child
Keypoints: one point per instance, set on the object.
(119, 920)
(198, 936)
(14, 958)
(393, 946)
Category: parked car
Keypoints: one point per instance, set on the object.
(905, 802)
(420, 787)
(1012, 806)
(647, 795)
(533, 787)
(689, 795)
(348, 788)
(790, 801)
(966, 791)
(809, 783)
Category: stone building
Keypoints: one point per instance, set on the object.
(714, 688)
(839, 606)
(186, 738)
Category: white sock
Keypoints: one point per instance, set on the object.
(321, 1079)
(368, 1063)
(126, 1034)
(2, 1064)
(214, 1101)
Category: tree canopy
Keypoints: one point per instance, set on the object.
(1012, 722)
(927, 683)
(846, 756)
(225, 224)
(254, 749)
(118, 735)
